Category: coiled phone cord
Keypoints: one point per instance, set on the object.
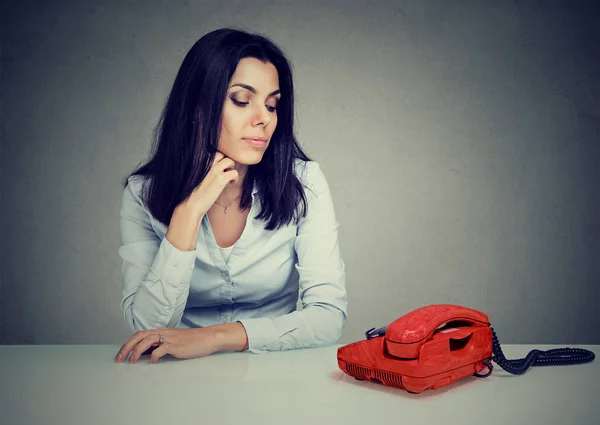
(553, 357)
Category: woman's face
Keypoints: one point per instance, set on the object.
(249, 115)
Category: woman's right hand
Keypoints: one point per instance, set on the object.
(206, 193)
(187, 216)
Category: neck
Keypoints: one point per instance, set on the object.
(231, 191)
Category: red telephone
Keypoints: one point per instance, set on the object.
(435, 345)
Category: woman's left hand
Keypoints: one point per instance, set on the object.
(180, 343)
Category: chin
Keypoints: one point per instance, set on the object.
(249, 158)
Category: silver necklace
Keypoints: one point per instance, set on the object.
(227, 206)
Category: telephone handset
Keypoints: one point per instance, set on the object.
(435, 345)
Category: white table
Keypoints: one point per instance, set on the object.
(81, 384)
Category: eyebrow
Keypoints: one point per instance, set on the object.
(253, 90)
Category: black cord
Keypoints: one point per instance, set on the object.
(556, 356)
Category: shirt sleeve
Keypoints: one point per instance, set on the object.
(156, 275)
(322, 281)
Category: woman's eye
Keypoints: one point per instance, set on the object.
(242, 104)
(237, 102)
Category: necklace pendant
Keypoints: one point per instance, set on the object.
(225, 210)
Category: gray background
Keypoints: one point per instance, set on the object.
(460, 139)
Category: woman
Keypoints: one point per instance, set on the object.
(229, 222)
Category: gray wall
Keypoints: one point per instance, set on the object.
(460, 139)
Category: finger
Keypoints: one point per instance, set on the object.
(149, 350)
(130, 344)
(224, 164)
(149, 341)
(159, 352)
(218, 157)
(231, 176)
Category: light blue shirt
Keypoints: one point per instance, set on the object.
(259, 286)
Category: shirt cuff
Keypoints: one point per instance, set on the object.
(265, 333)
(245, 333)
(173, 265)
(261, 332)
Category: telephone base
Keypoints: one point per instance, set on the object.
(411, 384)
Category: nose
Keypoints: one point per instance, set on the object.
(260, 116)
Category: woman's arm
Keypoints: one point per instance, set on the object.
(184, 227)
(322, 280)
(156, 273)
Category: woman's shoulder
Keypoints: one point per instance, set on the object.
(307, 171)
(135, 187)
(311, 176)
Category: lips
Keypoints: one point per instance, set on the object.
(256, 141)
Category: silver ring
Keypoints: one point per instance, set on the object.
(161, 340)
